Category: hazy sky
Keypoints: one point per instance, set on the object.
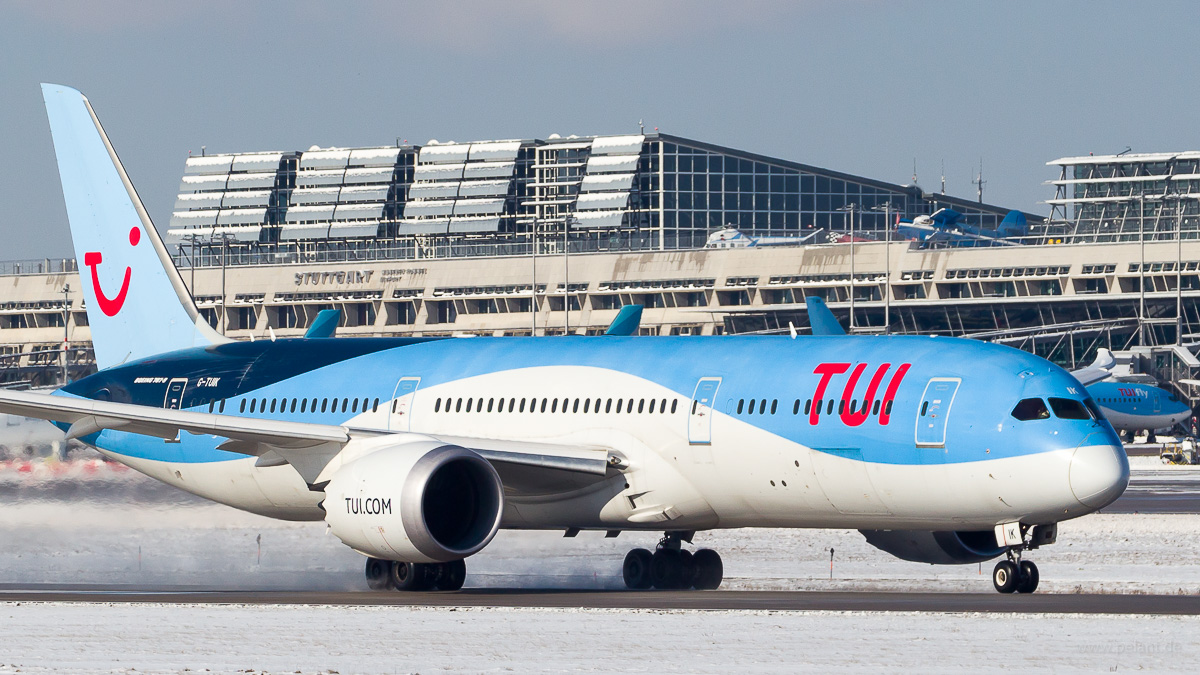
(862, 87)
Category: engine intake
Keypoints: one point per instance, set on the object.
(418, 502)
(936, 548)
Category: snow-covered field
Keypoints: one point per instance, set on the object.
(40, 638)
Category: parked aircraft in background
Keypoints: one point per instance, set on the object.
(947, 225)
(416, 451)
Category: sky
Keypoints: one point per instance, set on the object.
(862, 86)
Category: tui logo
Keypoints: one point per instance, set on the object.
(92, 259)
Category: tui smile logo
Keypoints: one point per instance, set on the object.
(92, 259)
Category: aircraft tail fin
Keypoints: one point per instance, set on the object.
(626, 321)
(821, 318)
(325, 324)
(137, 304)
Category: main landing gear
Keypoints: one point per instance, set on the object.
(671, 567)
(386, 575)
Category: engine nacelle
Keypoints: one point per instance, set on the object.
(936, 548)
(418, 502)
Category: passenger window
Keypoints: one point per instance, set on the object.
(774, 405)
(663, 408)
(437, 406)
(674, 404)
(491, 404)
(470, 402)
(292, 408)
(273, 402)
(512, 404)
(629, 406)
(1030, 409)
(807, 405)
(1069, 409)
(375, 405)
(242, 408)
(796, 407)
(741, 404)
(345, 404)
(762, 407)
(575, 407)
(253, 405)
(354, 406)
(210, 406)
(312, 406)
(924, 407)
(888, 407)
(521, 408)
(829, 411)
(544, 402)
(841, 406)
(652, 403)
(324, 401)
(820, 404)
(620, 402)
(554, 405)
(641, 405)
(586, 404)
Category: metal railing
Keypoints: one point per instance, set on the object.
(38, 266)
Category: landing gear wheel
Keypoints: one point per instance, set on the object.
(453, 575)
(636, 569)
(1029, 578)
(410, 576)
(1005, 576)
(665, 569)
(687, 570)
(378, 574)
(707, 570)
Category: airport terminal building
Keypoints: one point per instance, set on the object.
(460, 238)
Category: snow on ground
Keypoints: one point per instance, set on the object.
(197, 544)
(101, 638)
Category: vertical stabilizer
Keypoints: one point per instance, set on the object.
(137, 304)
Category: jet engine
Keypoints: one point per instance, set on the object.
(421, 502)
(936, 548)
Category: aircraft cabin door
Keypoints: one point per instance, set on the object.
(174, 397)
(934, 411)
(1157, 402)
(700, 413)
(402, 403)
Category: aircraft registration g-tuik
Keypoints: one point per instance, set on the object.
(415, 451)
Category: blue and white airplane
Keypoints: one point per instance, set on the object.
(415, 451)
(1136, 406)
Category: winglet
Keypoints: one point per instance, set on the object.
(627, 321)
(325, 324)
(821, 319)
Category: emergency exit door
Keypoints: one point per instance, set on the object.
(934, 411)
(402, 403)
(701, 410)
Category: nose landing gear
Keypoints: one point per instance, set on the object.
(671, 567)
(1014, 575)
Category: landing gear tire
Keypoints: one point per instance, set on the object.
(1029, 577)
(666, 569)
(636, 569)
(452, 576)
(411, 576)
(707, 570)
(379, 574)
(1006, 576)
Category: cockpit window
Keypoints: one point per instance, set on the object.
(1094, 409)
(1069, 409)
(1030, 409)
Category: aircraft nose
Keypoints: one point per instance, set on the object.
(1099, 471)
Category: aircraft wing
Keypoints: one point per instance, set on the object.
(1098, 369)
(527, 467)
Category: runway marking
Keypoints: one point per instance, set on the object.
(1044, 603)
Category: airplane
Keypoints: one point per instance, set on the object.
(1130, 407)
(1135, 406)
(946, 224)
(416, 451)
